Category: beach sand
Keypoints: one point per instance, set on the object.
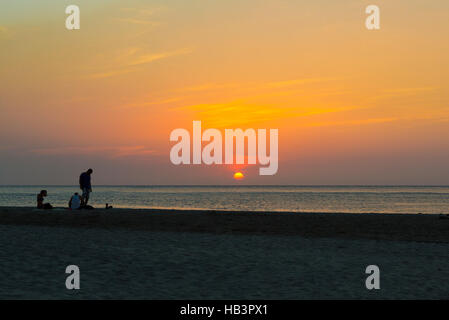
(402, 227)
(167, 254)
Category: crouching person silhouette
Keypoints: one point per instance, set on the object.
(75, 202)
(40, 201)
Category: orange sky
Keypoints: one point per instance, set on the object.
(352, 106)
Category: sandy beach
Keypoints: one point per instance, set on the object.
(164, 254)
(401, 227)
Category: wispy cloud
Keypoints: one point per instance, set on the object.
(128, 60)
(139, 21)
(120, 61)
(257, 102)
(142, 11)
(113, 152)
(351, 122)
(214, 86)
(410, 90)
(147, 58)
(143, 18)
(108, 74)
(401, 92)
(249, 94)
(256, 85)
(240, 112)
(236, 113)
(296, 82)
(151, 103)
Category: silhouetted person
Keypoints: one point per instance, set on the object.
(40, 201)
(75, 202)
(85, 186)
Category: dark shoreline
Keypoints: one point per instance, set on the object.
(398, 227)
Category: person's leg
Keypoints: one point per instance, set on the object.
(86, 199)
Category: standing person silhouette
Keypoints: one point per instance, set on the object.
(85, 186)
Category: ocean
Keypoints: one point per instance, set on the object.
(349, 199)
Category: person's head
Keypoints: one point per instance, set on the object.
(90, 171)
(43, 193)
(76, 193)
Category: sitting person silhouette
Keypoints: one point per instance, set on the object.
(40, 201)
(75, 202)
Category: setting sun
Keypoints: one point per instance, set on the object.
(238, 176)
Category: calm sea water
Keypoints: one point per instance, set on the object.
(355, 199)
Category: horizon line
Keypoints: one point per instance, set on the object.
(229, 185)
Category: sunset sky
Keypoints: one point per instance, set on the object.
(352, 106)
